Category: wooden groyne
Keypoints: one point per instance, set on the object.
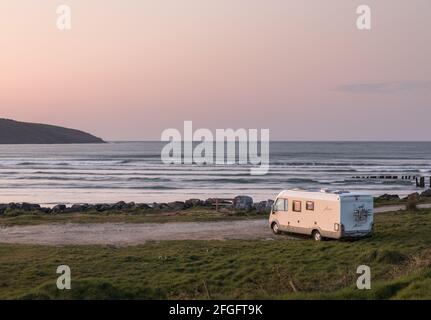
(419, 180)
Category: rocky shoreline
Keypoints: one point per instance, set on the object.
(239, 203)
(413, 196)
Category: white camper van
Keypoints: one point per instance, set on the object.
(322, 214)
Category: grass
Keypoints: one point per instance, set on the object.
(399, 255)
(16, 218)
(382, 203)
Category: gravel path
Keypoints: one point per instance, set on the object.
(138, 233)
(134, 233)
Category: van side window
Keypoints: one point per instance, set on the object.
(309, 205)
(281, 205)
(297, 206)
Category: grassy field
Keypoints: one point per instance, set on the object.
(16, 218)
(399, 255)
(382, 203)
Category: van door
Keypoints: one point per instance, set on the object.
(281, 212)
(357, 214)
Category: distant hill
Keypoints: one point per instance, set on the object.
(14, 132)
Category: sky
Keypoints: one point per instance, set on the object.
(129, 69)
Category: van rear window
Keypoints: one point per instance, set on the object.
(310, 205)
(296, 206)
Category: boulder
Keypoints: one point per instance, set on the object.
(45, 210)
(100, 207)
(426, 194)
(12, 206)
(243, 203)
(121, 205)
(209, 202)
(155, 206)
(159, 206)
(143, 206)
(176, 205)
(3, 208)
(388, 197)
(263, 206)
(59, 208)
(79, 207)
(269, 204)
(130, 205)
(194, 203)
(413, 197)
(29, 207)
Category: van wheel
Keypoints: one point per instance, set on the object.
(275, 228)
(317, 236)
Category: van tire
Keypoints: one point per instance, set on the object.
(317, 235)
(275, 228)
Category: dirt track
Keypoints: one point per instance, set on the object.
(134, 233)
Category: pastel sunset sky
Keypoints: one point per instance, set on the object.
(129, 69)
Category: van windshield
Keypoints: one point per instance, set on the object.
(280, 205)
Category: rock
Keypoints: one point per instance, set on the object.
(263, 206)
(29, 207)
(142, 206)
(194, 203)
(412, 201)
(426, 193)
(155, 206)
(59, 208)
(130, 205)
(121, 205)
(79, 207)
(163, 206)
(260, 207)
(413, 197)
(3, 208)
(45, 210)
(388, 197)
(176, 205)
(269, 204)
(12, 206)
(159, 206)
(100, 207)
(209, 202)
(243, 203)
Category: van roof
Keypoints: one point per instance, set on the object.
(322, 194)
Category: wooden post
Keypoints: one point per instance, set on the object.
(422, 182)
(417, 182)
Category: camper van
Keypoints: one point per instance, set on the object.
(322, 214)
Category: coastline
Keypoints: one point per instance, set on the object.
(242, 203)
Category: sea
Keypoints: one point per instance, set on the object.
(133, 171)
